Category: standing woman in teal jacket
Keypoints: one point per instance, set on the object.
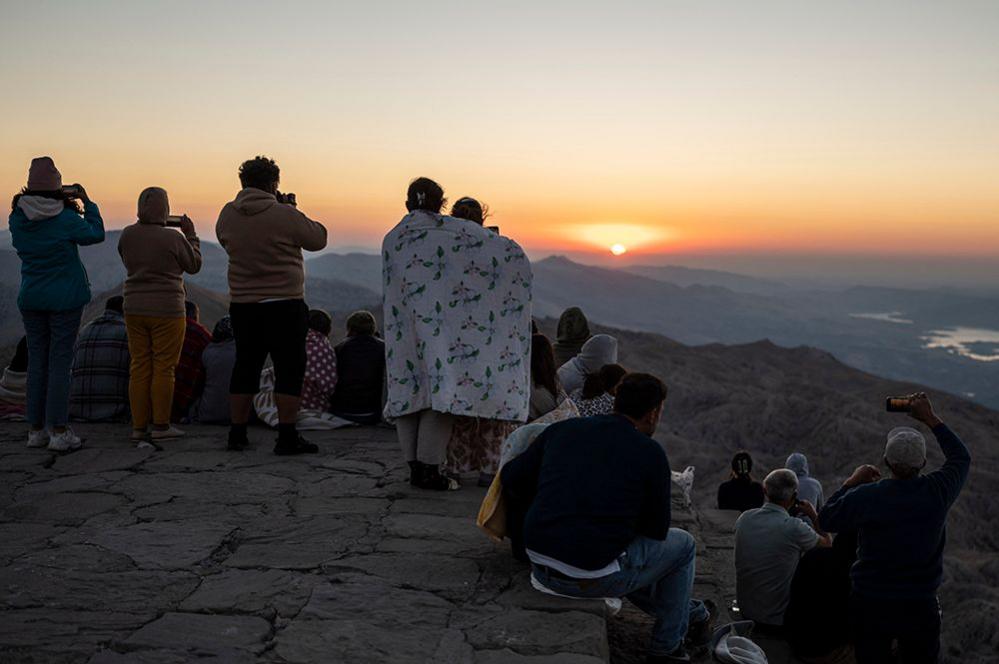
(47, 224)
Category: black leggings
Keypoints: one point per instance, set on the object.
(277, 329)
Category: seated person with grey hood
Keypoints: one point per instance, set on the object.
(218, 358)
(598, 351)
(809, 488)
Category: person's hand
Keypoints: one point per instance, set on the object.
(922, 410)
(187, 227)
(81, 193)
(808, 510)
(863, 475)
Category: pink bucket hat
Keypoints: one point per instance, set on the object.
(43, 175)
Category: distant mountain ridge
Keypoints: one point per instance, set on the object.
(716, 311)
(691, 312)
(688, 276)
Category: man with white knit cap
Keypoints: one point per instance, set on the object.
(901, 522)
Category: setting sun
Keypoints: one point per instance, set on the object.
(618, 249)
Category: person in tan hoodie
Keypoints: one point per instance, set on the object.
(264, 234)
(156, 258)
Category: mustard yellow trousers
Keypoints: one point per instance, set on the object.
(154, 344)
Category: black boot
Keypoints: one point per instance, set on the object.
(415, 472)
(238, 440)
(431, 478)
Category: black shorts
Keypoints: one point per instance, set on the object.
(277, 329)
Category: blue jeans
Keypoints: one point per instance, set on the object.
(51, 339)
(658, 578)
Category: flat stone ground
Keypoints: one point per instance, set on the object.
(113, 555)
(118, 555)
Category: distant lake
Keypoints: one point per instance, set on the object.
(971, 342)
(885, 317)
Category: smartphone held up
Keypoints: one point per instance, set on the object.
(898, 404)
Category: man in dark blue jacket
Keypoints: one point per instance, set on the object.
(901, 522)
(599, 518)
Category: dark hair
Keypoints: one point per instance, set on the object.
(191, 309)
(260, 173)
(605, 380)
(742, 464)
(223, 330)
(361, 323)
(115, 303)
(471, 210)
(19, 362)
(544, 373)
(320, 321)
(67, 202)
(425, 194)
(638, 394)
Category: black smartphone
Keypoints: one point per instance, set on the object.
(898, 404)
(173, 221)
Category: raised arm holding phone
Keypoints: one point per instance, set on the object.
(901, 520)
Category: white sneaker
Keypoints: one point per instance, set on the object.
(38, 438)
(166, 434)
(67, 441)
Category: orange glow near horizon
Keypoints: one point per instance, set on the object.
(666, 128)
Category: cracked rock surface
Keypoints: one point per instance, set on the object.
(113, 555)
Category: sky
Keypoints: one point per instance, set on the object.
(675, 129)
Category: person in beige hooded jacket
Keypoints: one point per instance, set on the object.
(264, 235)
(156, 258)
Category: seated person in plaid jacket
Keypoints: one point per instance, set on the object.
(99, 388)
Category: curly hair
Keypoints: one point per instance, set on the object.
(260, 173)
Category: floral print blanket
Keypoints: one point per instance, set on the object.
(457, 305)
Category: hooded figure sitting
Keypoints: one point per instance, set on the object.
(809, 488)
(599, 351)
(218, 358)
(573, 331)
